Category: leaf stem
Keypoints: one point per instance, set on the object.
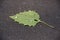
(47, 24)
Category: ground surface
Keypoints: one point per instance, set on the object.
(11, 30)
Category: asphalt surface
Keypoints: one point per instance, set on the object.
(49, 10)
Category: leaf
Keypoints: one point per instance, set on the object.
(30, 18)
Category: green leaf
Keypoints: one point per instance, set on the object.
(30, 18)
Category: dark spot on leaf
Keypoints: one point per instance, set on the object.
(35, 20)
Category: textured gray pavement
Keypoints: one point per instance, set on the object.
(11, 30)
